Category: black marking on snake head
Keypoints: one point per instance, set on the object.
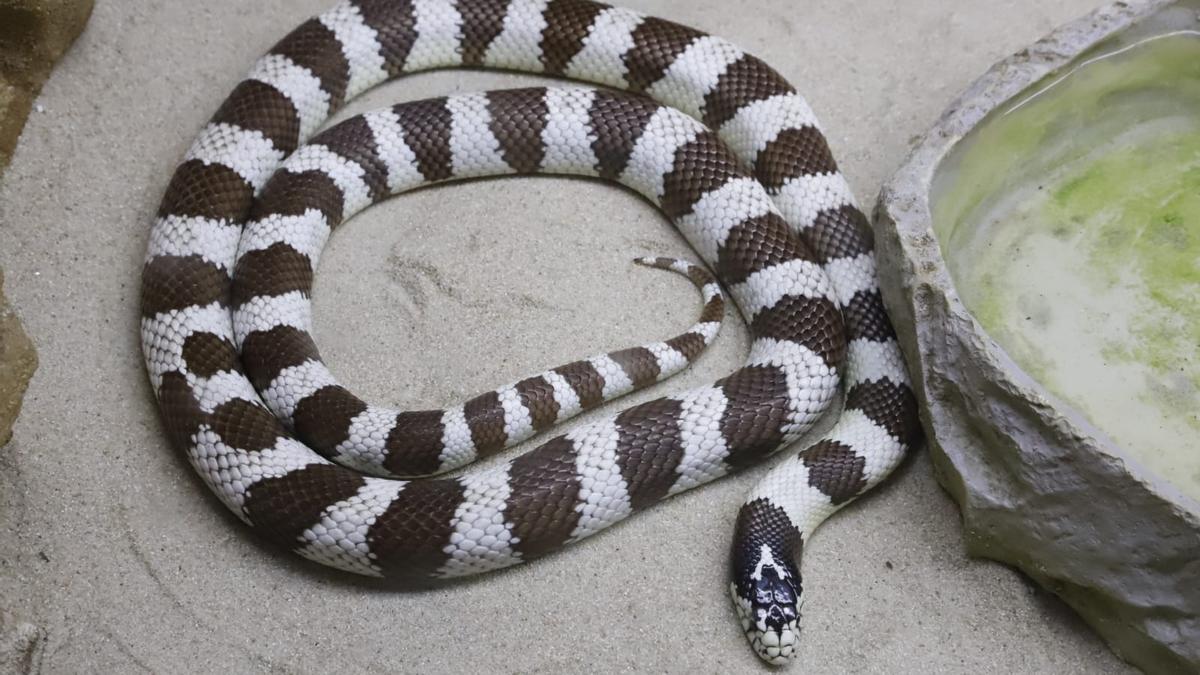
(774, 591)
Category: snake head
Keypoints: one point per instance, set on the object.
(767, 598)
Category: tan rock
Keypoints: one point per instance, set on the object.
(34, 34)
(18, 360)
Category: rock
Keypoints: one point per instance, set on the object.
(1039, 487)
(18, 360)
(33, 35)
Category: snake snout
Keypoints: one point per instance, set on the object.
(778, 648)
(776, 611)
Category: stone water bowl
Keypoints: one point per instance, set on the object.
(1040, 255)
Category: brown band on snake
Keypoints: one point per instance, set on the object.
(183, 415)
(258, 106)
(688, 344)
(315, 47)
(482, 21)
(656, 45)
(415, 443)
(207, 354)
(285, 506)
(243, 425)
(273, 271)
(208, 191)
(266, 354)
(699, 275)
(427, 132)
(865, 318)
(616, 135)
(537, 395)
(485, 417)
(567, 25)
(745, 81)
(410, 537)
(752, 430)
(806, 321)
(585, 381)
(786, 536)
(835, 469)
(778, 161)
(290, 193)
(889, 406)
(544, 484)
(355, 142)
(714, 310)
(203, 282)
(520, 142)
(394, 23)
(649, 448)
(322, 419)
(684, 185)
(842, 232)
(639, 365)
(756, 244)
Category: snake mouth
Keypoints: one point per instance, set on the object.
(776, 646)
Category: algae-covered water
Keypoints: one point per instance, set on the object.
(1071, 225)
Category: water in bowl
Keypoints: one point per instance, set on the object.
(1070, 221)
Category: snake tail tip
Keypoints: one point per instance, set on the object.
(658, 262)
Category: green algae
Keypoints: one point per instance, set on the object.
(1147, 233)
(1070, 221)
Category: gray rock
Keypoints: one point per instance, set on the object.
(1039, 487)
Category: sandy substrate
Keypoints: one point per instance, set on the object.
(126, 563)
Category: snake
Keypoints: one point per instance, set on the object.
(717, 140)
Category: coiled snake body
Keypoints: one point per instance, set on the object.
(719, 141)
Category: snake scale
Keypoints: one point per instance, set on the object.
(722, 144)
